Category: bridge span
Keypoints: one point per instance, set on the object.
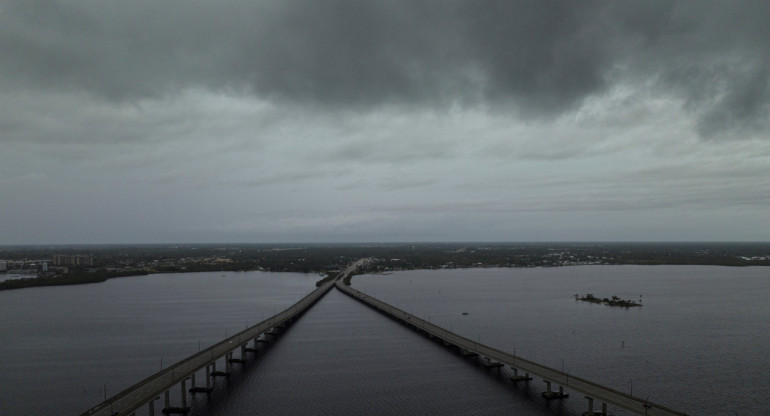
(496, 358)
(148, 391)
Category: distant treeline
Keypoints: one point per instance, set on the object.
(329, 259)
(75, 278)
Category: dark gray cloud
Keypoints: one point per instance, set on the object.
(539, 58)
(190, 120)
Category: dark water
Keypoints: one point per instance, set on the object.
(700, 343)
(343, 358)
(60, 347)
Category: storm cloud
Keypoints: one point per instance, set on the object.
(469, 110)
(532, 57)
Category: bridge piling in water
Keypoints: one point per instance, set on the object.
(151, 404)
(238, 360)
(253, 349)
(552, 395)
(184, 393)
(168, 409)
(517, 378)
(208, 376)
(490, 364)
(194, 387)
(591, 412)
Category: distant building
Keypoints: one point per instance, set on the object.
(3, 266)
(76, 260)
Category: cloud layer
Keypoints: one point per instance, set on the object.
(351, 120)
(537, 58)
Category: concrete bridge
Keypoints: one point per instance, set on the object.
(495, 358)
(150, 390)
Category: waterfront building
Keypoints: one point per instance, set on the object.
(76, 260)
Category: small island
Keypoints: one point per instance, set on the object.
(614, 301)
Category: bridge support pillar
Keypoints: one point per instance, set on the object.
(243, 352)
(591, 412)
(551, 395)
(516, 377)
(168, 409)
(194, 386)
(215, 373)
(252, 349)
(490, 364)
(152, 406)
(184, 393)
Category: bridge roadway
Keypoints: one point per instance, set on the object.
(148, 390)
(591, 390)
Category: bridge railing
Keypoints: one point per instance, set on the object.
(567, 380)
(146, 390)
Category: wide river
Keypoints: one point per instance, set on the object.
(699, 344)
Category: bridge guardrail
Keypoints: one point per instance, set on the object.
(592, 389)
(130, 399)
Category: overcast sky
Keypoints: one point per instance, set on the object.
(150, 121)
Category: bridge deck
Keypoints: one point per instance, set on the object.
(127, 401)
(594, 390)
(146, 390)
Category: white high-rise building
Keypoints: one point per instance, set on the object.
(3, 266)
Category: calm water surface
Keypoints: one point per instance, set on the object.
(699, 344)
(342, 358)
(62, 347)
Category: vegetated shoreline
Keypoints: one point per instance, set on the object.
(76, 278)
(328, 260)
(85, 277)
(99, 276)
